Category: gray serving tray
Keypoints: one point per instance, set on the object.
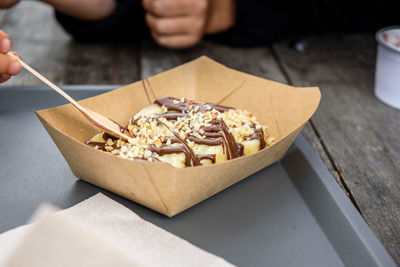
(292, 213)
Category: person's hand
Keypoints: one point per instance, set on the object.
(182, 23)
(176, 24)
(8, 66)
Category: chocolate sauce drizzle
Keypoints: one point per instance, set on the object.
(258, 134)
(216, 134)
(207, 156)
(182, 107)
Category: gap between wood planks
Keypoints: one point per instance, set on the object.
(138, 62)
(325, 150)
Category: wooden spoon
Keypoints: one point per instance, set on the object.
(97, 119)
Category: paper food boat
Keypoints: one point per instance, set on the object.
(159, 186)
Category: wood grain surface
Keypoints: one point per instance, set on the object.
(360, 134)
(356, 135)
(46, 47)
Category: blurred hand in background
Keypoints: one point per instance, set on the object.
(179, 24)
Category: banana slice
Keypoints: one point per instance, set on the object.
(218, 151)
(251, 146)
(150, 110)
(177, 159)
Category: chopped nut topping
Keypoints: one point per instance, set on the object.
(190, 144)
(147, 154)
(153, 130)
(157, 142)
(182, 135)
(108, 148)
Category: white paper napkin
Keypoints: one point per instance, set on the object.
(110, 228)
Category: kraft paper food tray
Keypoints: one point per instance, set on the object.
(159, 186)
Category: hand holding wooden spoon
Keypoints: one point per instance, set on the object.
(97, 119)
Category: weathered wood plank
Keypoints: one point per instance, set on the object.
(100, 64)
(256, 61)
(37, 38)
(364, 46)
(45, 46)
(359, 132)
(316, 143)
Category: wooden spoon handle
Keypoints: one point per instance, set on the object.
(49, 83)
(98, 120)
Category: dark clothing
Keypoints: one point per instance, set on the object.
(258, 22)
(126, 23)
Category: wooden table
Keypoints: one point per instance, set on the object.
(357, 136)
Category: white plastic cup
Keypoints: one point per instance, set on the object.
(387, 74)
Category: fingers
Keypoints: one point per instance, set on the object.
(5, 42)
(4, 78)
(174, 25)
(16, 54)
(177, 40)
(8, 66)
(171, 8)
(175, 32)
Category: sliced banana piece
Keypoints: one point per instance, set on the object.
(220, 156)
(251, 146)
(176, 159)
(150, 110)
(206, 162)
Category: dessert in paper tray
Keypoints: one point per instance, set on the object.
(222, 125)
(183, 132)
